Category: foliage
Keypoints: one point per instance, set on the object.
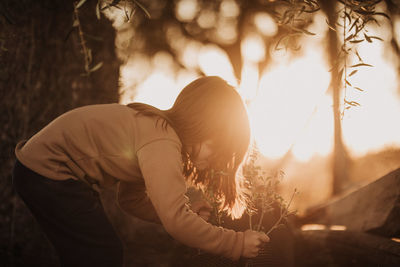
(263, 198)
(129, 9)
(293, 20)
(263, 193)
(353, 19)
(87, 52)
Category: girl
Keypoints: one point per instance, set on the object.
(203, 138)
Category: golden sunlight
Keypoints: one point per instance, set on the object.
(253, 48)
(214, 61)
(338, 228)
(159, 88)
(265, 24)
(186, 10)
(373, 125)
(289, 105)
(313, 227)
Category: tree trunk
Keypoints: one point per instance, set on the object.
(40, 78)
(340, 160)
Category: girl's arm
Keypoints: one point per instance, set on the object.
(161, 165)
(133, 199)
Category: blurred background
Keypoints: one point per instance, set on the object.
(320, 80)
(283, 74)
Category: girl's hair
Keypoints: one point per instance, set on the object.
(210, 109)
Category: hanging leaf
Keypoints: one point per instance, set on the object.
(109, 6)
(367, 38)
(312, 10)
(360, 65)
(352, 73)
(126, 14)
(363, 12)
(347, 16)
(302, 10)
(376, 22)
(80, 4)
(347, 82)
(142, 8)
(349, 37)
(330, 26)
(133, 11)
(98, 10)
(285, 40)
(98, 66)
(376, 37)
(358, 29)
(115, 3)
(307, 32)
(382, 14)
(89, 55)
(358, 88)
(357, 41)
(354, 24)
(352, 103)
(75, 23)
(358, 55)
(343, 49)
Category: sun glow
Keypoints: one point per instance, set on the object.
(214, 61)
(289, 105)
(289, 98)
(374, 124)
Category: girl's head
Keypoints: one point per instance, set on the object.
(211, 120)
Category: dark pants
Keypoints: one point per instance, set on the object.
(72, 216)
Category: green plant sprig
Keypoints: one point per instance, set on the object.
(284, 213)
(263, 190)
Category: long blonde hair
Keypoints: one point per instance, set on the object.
(210, 109)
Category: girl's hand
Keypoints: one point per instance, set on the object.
(253, 242)
(202, 208)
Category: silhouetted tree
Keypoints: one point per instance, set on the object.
(42, 74)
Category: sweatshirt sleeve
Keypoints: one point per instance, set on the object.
(132, 199)
(161, 164)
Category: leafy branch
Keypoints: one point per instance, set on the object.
(129, 8)
(87, 52)
(293, 21)
(284, 213)
(354, 16)
(263, 193)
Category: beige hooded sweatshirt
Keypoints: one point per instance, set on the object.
(107, 143)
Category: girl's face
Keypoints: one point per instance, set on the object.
(202, 154)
